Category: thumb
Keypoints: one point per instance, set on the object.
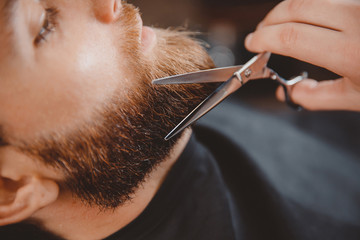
(337, 94)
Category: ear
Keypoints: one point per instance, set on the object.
(107, 11)
(25, 186)
(21, 199)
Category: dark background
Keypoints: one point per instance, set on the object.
(224, 26)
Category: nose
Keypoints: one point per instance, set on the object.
(107, 11)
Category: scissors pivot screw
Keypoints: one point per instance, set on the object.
(248, 72)
(273, 76)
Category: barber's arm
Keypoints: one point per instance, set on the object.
(322, 32)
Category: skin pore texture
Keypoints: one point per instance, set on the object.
(82, 127)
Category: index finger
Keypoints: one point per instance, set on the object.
(316, 45)
(327, 14)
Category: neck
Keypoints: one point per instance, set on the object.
(70, 219)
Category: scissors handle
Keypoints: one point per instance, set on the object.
(257, 68)
(287, 86)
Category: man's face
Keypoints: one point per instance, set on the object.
(57, 83)
(76, 93)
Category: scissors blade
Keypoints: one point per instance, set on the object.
(205, 76)
(222, 92)
(254, 69)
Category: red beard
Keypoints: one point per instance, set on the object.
(105, 163)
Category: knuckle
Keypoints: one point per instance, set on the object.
(289, 36)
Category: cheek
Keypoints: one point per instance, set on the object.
(65, 92)
(101, 65)
(44, 104)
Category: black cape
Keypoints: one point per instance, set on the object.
(249, 174)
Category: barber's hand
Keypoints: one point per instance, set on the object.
(322, 32)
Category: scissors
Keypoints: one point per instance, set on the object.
(233, 78)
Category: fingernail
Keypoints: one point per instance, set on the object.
(248, 39)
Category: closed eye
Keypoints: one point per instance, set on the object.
(49, 26)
